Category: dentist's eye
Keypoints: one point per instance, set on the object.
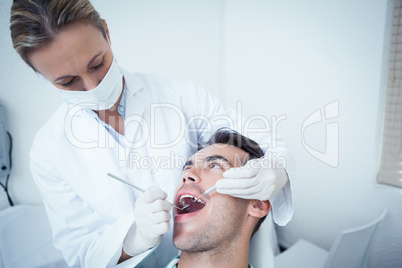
(99, 66)
(69, 83)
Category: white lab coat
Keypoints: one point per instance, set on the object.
(89, 212)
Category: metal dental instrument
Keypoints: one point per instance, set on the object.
(206, 192)
(125, 182)
(139, 189)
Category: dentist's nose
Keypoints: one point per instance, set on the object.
(91, 83)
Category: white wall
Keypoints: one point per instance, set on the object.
(279, 58)
(28, 101)
(294, 57)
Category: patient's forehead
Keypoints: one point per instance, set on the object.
(236, 156)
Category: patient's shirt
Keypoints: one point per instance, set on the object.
(173, 263)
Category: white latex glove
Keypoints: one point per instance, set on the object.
(152, 218)
(255, 180)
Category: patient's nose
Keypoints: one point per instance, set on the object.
(188, 179)
(190, 176)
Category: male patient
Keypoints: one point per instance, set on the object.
(215, 231)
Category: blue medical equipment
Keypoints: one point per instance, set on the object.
(6, 145)
(5, 166)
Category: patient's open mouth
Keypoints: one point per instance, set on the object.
(190, 201)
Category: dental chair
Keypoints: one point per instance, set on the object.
(350, 250)
(261, 253)
(26, 239)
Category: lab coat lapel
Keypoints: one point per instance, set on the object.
(95, 187)
(134, 120)
(136, 130)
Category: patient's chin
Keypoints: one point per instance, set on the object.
(181, 231)
(187, 244)
(184, 237)
(179, 241)
(197, 244)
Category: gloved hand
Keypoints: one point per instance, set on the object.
(255, 180)
(152, 218)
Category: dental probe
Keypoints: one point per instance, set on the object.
(126, 182)
(206, 192)
(138, 188)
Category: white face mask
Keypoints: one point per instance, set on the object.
(104, 96)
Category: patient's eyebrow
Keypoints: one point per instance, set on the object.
(217, 157)
(188, 163)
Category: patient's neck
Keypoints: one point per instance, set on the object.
(232, 254)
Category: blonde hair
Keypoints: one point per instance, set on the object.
(35, 23)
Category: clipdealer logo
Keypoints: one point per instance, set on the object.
(331, 154)
(141, 130)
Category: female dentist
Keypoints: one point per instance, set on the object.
(139, 127)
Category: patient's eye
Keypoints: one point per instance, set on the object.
(186, 168)
(215, 166)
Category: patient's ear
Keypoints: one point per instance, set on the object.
(258, 208)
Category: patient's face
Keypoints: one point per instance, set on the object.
(216, 219)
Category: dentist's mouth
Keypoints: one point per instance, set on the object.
(191, 203)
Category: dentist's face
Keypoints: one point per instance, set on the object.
(217, 218)
(77, 59)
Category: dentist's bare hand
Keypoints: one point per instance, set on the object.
(255, 180)
(152, 218)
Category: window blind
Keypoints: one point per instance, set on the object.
(391, 157)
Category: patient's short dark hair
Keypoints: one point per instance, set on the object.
(231, 137)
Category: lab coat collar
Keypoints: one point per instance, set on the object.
(133, 82)
(83, 131)
(134, 123)
(133, 119)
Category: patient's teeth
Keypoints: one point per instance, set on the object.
(199, 200)
(189, 196)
